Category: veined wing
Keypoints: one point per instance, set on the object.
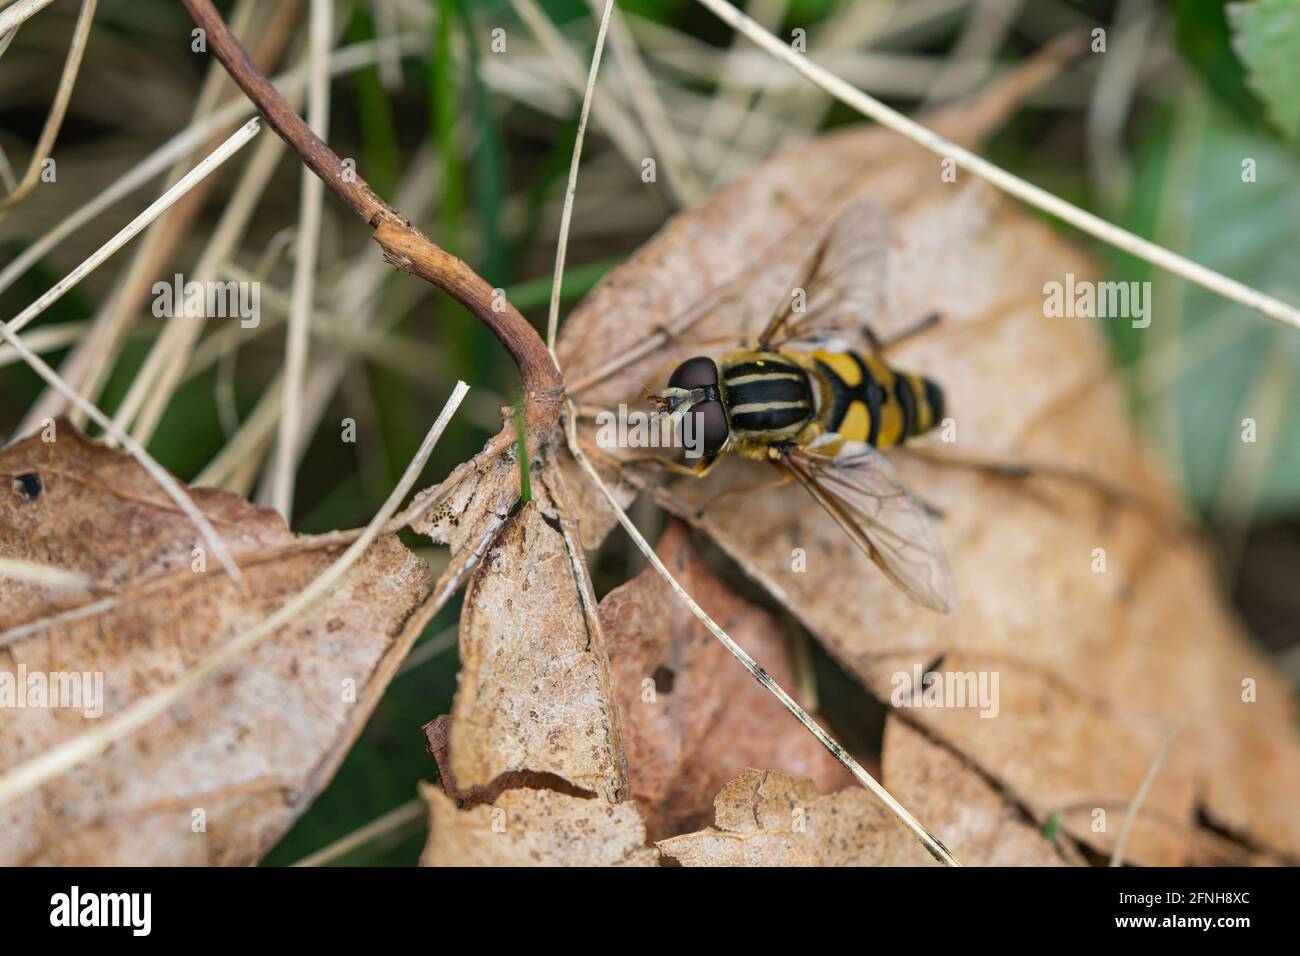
(860, 489)
(844, 286)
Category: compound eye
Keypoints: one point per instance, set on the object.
(711, 426)
(699, 372)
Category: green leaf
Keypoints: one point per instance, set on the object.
(1223, 194)
(1266, 35)
(472, 353)
(578, 281)
(443, 110)
(489, 179)
(1205, 42)
(1053, 827)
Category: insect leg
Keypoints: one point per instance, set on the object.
(655, 461)
(753, 486)
(934, 511)
(1025, 471)
(880, 346)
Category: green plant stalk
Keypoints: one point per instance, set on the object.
(521, 435)
(374, 112)
(488, 179)
(535, 293)
(442, 123)
(1052, 827)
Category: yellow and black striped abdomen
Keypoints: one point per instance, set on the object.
(867, 401)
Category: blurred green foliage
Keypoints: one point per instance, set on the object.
(1194, 192)
(1205, 42)
(1215, 181)
(1266, 35)
(374, 113)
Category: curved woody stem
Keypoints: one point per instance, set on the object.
(403, 245)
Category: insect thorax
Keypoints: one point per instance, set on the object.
(769, 397)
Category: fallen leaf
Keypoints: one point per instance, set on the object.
(961, 807)
(692, 717)
(535, 694)
(1078, 588)
(765, 818)
(228, 770)
(525, 827)
(466, 511)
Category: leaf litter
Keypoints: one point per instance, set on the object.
(550, 754)
(222, 777)
(1095, 668)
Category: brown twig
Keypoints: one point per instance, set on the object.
(403, 245)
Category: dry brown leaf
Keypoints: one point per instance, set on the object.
(466, 511)
(765, 818)
(535, 694)
(252, 748)
(692, 717)
(531, 757)
(525, 827)
(963, 809)
(594, 517)
(1095, 669)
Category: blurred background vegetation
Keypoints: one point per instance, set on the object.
(474, 144)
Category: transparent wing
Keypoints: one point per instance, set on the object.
(844, 285)
(859, 488)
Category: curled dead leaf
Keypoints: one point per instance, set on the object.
(525, 827)
(231, 767)
(466, 511)
(534, 694)
(692, 718)
(765, 818)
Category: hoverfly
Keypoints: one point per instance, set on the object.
(804, 400)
